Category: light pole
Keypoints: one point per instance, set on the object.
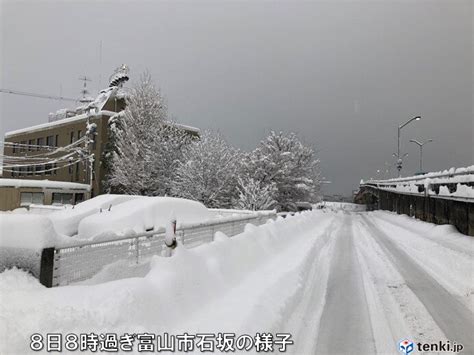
(399, 162)
(421, 150)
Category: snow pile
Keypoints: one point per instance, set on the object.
(340, 206)
(26, 231)
(22, 237)
(67, 221)
(461, 191)
(442, 251)
(243, 284)
(140, 215)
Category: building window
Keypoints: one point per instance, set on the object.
(28, 198)
(29, 170)
(62, 198)
(47, 169)
(55, 167)
(71, 140)
(22, 146)
(70, 169)
(79, 134)
(14, 147)
(77, 171)
(56, 141)
(40, 142)
(31, 143)
(50, 141)
(39, 169)
(79, 197)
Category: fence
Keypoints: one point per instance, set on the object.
(65, 265)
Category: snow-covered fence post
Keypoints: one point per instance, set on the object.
(170, 235)
(47, 267)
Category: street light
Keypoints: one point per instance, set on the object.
(421, 150)
(399, 162)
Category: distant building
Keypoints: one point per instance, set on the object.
(64, 129)
(17, 193)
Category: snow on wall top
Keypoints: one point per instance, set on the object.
(450, 173)
(28, 231)
(43, 184)
(461, 178)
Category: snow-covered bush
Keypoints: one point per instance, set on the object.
(207, 172)
(253, 195)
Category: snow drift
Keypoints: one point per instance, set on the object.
(67, 221)
(139, 215)
(187, 292)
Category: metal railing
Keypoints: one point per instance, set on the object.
(84, 259)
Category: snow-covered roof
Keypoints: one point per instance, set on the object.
(48, 125)
(43, 184)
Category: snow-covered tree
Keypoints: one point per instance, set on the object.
(284, 162)
(207, 172)
(144, 146)
(253, 195)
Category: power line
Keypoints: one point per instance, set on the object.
(42, 96)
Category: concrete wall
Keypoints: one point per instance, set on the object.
(430, 209)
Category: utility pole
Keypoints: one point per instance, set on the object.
(91, 135)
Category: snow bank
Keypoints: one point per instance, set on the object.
(26, 231)
(242, 284)
(442, 251)
(67, 221)
(139, 215)
(22, 237)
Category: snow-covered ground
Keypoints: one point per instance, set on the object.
(339, 280)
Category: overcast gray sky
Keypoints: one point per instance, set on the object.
(341, 74)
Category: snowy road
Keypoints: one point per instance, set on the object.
(378, 292)
(341, 282)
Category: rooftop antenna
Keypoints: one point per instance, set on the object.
(100, 65)
(85, 93)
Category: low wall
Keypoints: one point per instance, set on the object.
(430, 209)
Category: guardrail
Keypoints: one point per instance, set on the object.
(453, 184)
(84, 259)
(443, 197)
(451, 173)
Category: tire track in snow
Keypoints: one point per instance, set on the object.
(345, 326)
(303, 323)
(453, 318)
(396, 313)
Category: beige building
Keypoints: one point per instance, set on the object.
(17, 193)
(26, 148)
(30, 142)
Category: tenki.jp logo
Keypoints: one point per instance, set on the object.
(406, 346)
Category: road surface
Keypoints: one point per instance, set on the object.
(382, 286)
